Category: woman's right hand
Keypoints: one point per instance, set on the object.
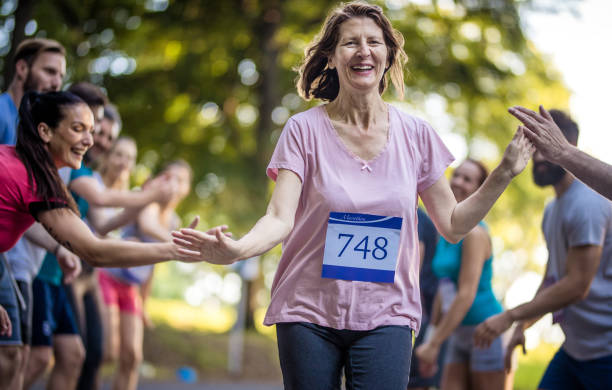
(214, 246)
(517, 153)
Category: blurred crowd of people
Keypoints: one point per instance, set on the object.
(78, 319)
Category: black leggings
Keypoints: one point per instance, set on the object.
(90, 326)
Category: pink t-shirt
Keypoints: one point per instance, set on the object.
(334, 179)
(18, 202)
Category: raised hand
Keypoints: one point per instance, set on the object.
(542, 131)
(491, 329)
(517, 153)
(214, 246)
(163, 186)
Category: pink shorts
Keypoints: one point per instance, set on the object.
(125, 296)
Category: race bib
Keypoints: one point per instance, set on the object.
(361, 247)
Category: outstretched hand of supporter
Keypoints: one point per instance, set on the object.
(164, 187)
(214, 246)
(427, 353)
(491, 329)
(6, 328)
(518, 338)
(542, 131)
(517, 153)
(69, 263)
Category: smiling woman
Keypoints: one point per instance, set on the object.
(348, 175)
(55, 130)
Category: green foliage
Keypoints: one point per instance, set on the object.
(212, 82)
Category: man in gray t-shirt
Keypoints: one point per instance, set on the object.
(577, 287)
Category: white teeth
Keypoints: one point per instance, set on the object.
(363, 67)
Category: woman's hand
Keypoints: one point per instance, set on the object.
(69, 263)
(214, 246)
(517, 153)
(427, 353)
(491, 329)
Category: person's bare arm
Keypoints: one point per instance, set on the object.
(68, 261)
(103, 224)
(475, 250)
(455, 220)
(148, 223)
(69, 230)
(550, 141)
(268, 232)
(93, 192)
(582, 264)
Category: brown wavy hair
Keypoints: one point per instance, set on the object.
(315, 78)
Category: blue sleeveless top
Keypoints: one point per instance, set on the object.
(447, 263)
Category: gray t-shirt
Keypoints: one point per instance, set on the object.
(582, 217)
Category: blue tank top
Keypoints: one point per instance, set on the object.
(447, 264)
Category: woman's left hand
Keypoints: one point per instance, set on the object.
(517, 153)
(427, 353)
(491, 329)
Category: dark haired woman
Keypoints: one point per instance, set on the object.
(348, 175)
(466, 299)
(55, 130)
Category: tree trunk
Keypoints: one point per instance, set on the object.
(23, 14)
(268, 99)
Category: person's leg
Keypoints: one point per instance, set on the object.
(456, 369)
(110, 317)
(11, 346)
(42, 329)
(68, 347)
(379, 359)
(38, 361)
(455, 376)
(69, 355)
(25, 317)
(595, 374)
(487, 369)
(592, 374)
(560, 374)
(92, 338)
(130, 356)
(311, 356)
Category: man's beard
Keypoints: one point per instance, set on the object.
(31, 84)
(552, 175)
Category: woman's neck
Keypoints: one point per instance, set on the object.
(363, 111)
